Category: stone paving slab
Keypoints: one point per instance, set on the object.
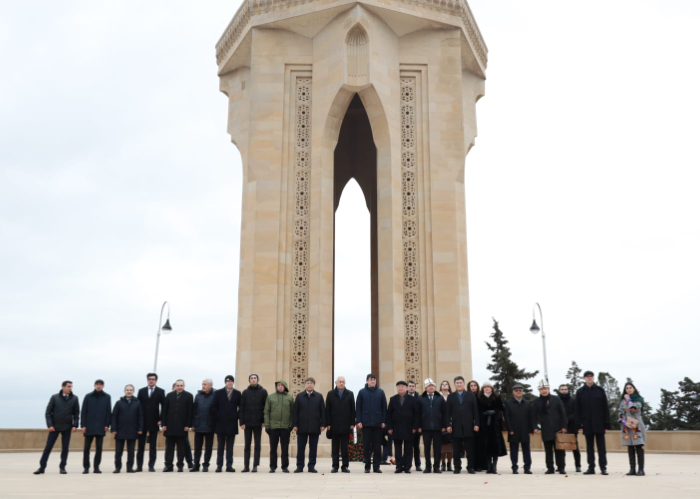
(670, 476)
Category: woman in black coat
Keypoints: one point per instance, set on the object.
(127, 425)
(491, 442)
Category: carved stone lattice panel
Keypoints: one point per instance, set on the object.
(410, 233)
(300, 256)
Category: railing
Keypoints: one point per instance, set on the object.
(250, 8)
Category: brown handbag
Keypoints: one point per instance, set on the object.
(565, 441)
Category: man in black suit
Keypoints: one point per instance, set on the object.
(403, 420)
(416, 438)
(340, 416)
(151, 399)
(462, 414)
(177, 420)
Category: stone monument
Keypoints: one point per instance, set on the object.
(383, 91)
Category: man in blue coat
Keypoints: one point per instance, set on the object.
(95, 420)
(371, 419)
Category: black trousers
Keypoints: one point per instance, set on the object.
(98, 451)
(224, 442)
(403, 453)
(527, 457)
(416, 449)
(550, 453)
(599, 440)
(576, 452)
(170, 444)
(279, 438)
(119, 450)
(302, 439)
(50, 441)
(206, 439)
(249, 434)
(460, 444)
(372, 445)
(152, 438)
(432, 438)
(339, 445)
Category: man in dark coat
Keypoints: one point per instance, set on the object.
(462, 413)
(309, 421)
(432, 424)
(151, 398)
(371, 419)
(403, 421)
(340, 416)
(225, 410)
(416, 438)
(252, 420)
(95, 419)
(177, 421)
(203, 425)
(62, 416)
(127, 425)
(521, 426)
(570, 408)
(549, 414)
(593, 419)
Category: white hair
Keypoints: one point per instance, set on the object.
(208, 380)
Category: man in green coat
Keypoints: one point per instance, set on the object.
(278, 423)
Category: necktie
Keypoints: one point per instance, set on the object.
(150, 392)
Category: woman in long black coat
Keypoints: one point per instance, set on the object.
(127, 425)
(490, 437)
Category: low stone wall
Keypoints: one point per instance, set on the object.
(31, 440)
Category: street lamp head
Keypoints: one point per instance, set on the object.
(166, 327)
(534, 329)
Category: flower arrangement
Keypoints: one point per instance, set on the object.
(355, 446)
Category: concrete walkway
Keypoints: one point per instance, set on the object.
(670, 476)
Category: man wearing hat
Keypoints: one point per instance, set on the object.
(252, 420)
(593, 419)
(95, 419)
(403, 420)
(520, 428)
(549, 414)
(151, 398)
(225, 409)
(431, 424)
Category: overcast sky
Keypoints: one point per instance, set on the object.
(120, 188)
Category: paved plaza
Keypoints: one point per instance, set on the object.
(671, 476)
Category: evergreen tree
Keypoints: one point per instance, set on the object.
(688, 405)
(612, 391)
(665, 417)
(574, 377)
(506, 373)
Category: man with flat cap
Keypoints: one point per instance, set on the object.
(403, 421)
(593, 419)
(95, 418)
(225, 410)
(521, 426)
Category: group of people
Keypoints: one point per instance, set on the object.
(467, 422)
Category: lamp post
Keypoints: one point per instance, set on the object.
(535, 329)
(165, 328)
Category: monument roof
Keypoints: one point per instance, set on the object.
(308, 17)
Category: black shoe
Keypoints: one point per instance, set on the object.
(527, 472)
(97, 470)
(589, 471)
(87, 470)
(168, 469)
(515, 471)
(194, 469)
(398, 470)
(312, 470)
(603, 471)
(180, 469)
(218, 469)
(437, 470)
(116, 471)
(641, 472)
(255, 469)
(40, 471)
(285, 470)
(366, 470)
(549, 472)
(478, 470)
(131, 471)
(578, 469)
(457, 471)
(230, 469)
(334, 470)
(245, 470)
(299, 470)
(377, 470)
(442, 467)
(139, 469)
(344, 470)
(407, 471)
(562, 472)
(471, 471)
(426, 470)
(418, 468)
(449, 466)
(63, 471)
(205, 469)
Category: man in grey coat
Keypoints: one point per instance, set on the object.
(549, 414)
(203, 425)
(62, 415)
